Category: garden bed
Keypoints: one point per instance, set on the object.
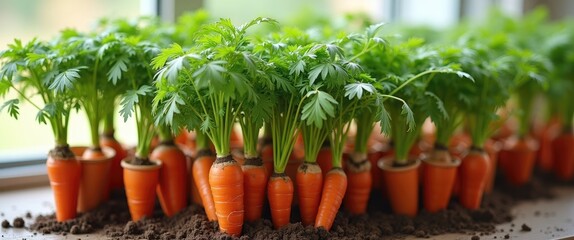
(112, 219)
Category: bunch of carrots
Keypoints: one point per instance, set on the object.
(269, 115)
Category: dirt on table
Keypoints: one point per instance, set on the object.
(113, 220)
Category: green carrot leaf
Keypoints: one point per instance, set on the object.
(131, 98)
(11, 107)
(405, 109)
(4, 87)
(168, 53)
(65, 79)
(116, 70)
(321, 105)
(385, 120)
(353, 90)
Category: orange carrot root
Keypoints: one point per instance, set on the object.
(226, 181)
(255, 181)
(309, 184)
(280, 194)
(360, 182)
(333, 192)
(200, 169)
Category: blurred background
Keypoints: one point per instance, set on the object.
(26, 19)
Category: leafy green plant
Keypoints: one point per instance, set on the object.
(285, 113)
(104, 58)
(452, 100)
(138, 98)
(490, 90)
(558, 49)
(41, 74)
(530, 72)
(407, 68)
(205, 86)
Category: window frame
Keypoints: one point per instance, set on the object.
(28, 169)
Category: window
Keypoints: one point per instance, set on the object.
(26, 19)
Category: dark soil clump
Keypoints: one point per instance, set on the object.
(525, 228)
(5, 223)
(113, 220)
(18, 222)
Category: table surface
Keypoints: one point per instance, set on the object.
(549, 219)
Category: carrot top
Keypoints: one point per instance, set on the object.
(41, 68)
(206, 86)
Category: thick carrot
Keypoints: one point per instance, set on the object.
(64, 172)
(309, 181)
(226, 181)
(200, 171)
(280, 194)
(473, 173)
(333, 192)
(360, 181)
(255, 181)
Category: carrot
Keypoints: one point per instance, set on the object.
(200, 171)
(280, 194)
(94, 185)
(226, 181)
(116, 171)
(64, 172)
(518, 162)
(325, 158)
(172, 187)
(563, 153)
(193, 192)
(545, 138)
(439, 172)
(309, 181)
(360, 182)
(255, 181)
(266, 154)
(473, 173)
(331, 198)
(182, 137)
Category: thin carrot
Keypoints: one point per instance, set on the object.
(200, 171)
(309, 184)
(193, 192)
(226, 181)
(255, 181)
(360, 182)
(280, 193)
(331, 198)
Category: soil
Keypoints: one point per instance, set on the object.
(113, 220)
(141, 161)
(525, 228)
(5, 223)
(18, 222)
